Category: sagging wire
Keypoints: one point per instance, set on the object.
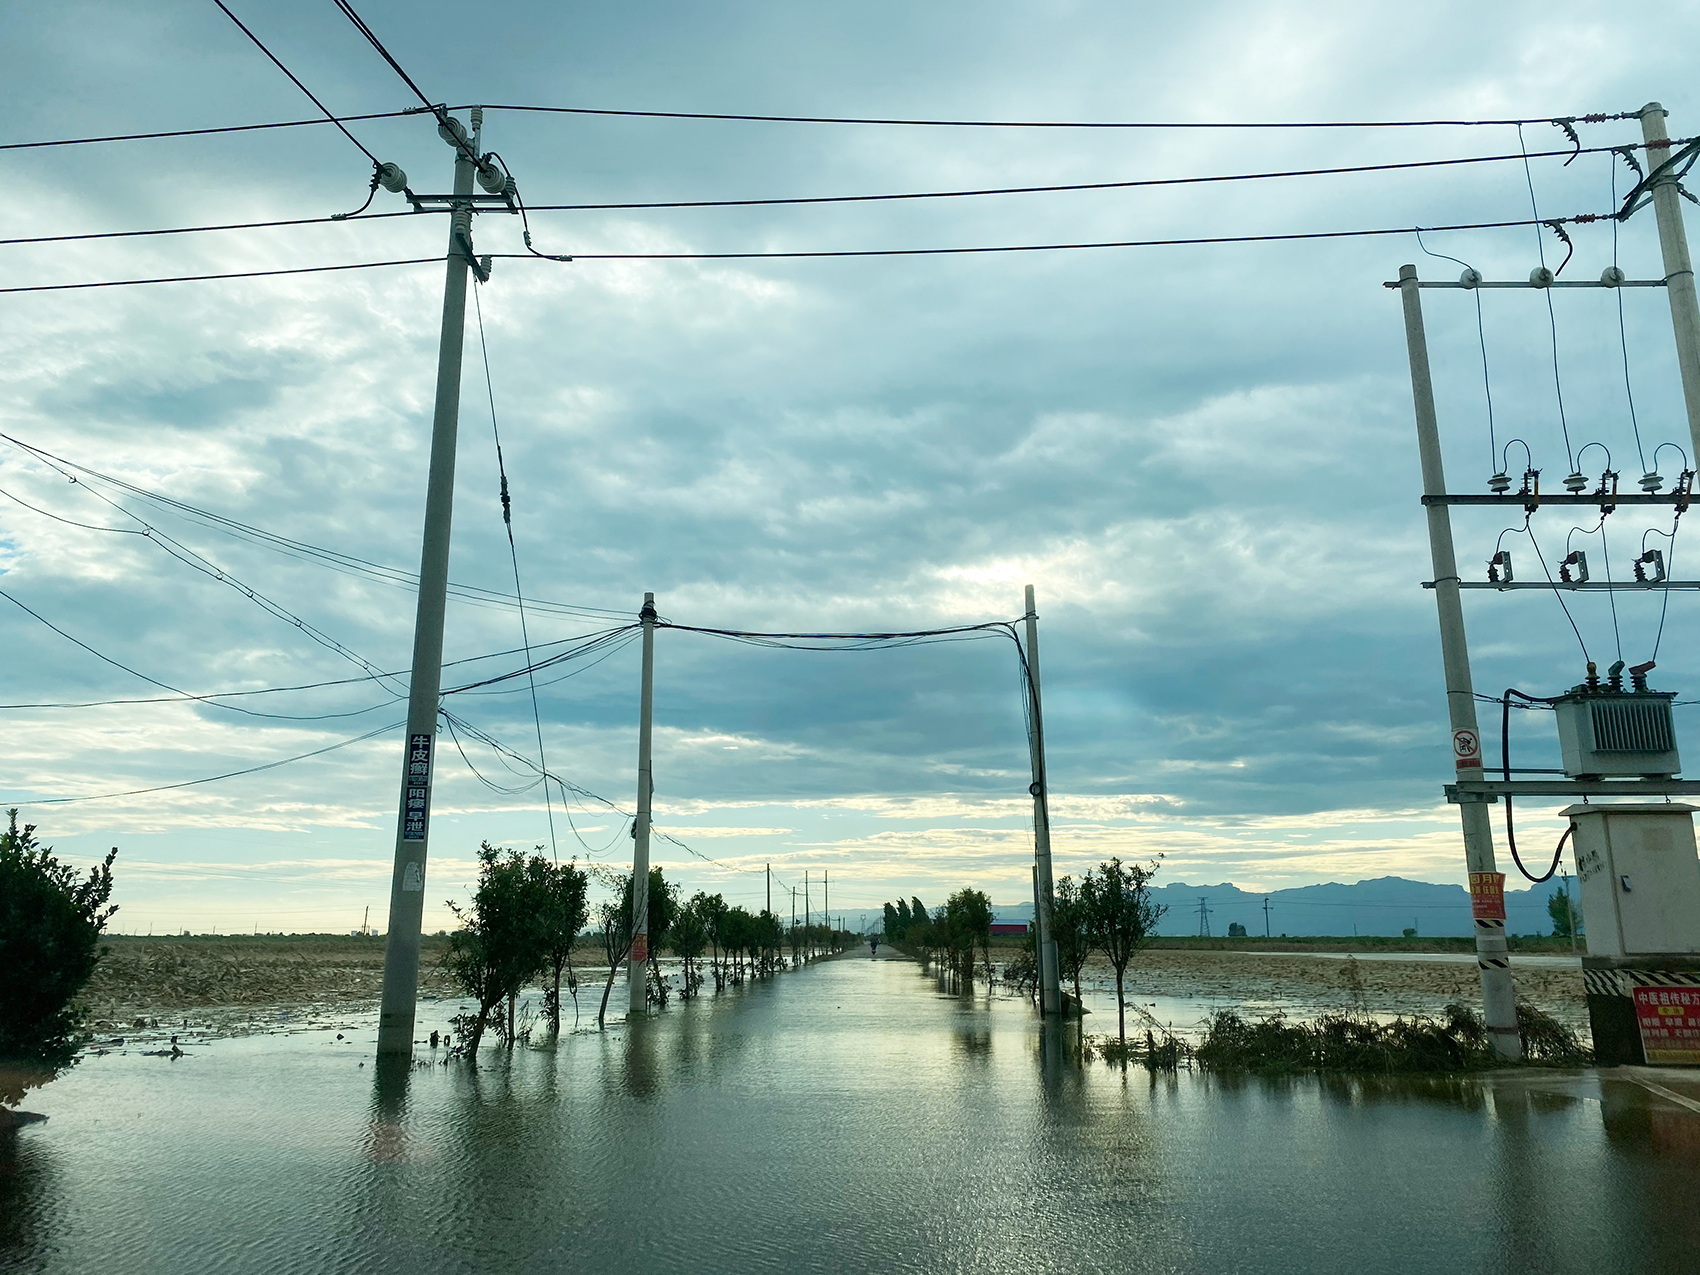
(1528, 531)
(513, 557)
(1481, 340)
(1552, 317)
(1505, 763)
(1670, 567)
(1622, 327)
(1599, 529)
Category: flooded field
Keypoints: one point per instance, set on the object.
(851, 1116)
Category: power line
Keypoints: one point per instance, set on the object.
(198, 230)
(804, 200)
(205, 278)
(347, 563)
(1093, 124)
(1207, 241)
(436, 108)
(338, 120)
(213, 779)
(259, 44)
(1075, 186)
(784, 119)
(181, 693)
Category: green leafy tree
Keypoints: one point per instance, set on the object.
(560, 891)
(615, 919)
(1566, 914)
(1121, 914)
(689, 939)
(51, 918)
(714, 911)
(663, 912)
(1072, 931)
(968, 925)
(499, 944)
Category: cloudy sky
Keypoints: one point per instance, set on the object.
(1201, 457)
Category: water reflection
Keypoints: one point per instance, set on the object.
(851, 1116)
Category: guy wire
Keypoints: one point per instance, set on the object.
(1623, 339)
(513, 555)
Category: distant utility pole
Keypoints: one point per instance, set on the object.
(808, 939)
(637, 982)
(1265, 916)
(1203, 916)
(793, 923)
(770, 889)
(826, 903)
(1045, 948)
(1569, 914)
(407, 880)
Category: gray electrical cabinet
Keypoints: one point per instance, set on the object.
(1640, 878)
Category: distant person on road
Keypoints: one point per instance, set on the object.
(873, 945)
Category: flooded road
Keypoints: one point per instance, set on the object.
(846, 1117)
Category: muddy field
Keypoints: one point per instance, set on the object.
(1299, 984)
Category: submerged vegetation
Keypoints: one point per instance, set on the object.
(1456, 1041)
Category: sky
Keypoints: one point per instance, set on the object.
(1201, 457)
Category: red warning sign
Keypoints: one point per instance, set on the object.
(1467, 749)
(1669, 1018)
(1487, 896)
(640, 948)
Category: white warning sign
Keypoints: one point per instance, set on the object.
(1467, 749)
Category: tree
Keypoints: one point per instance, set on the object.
(1071, 930)
(663, 911)
(1566, 914)
(559, 890)
(51, 920)
(968, 924)
(499, 943)
(1120, 915)
(688, 938)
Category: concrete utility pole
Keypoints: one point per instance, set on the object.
(1499, 1006)
(407, 880)
(826, 903)
(1679, 270)
(637, 983)
(1266, 916)
(1050, 984)
(770, 889)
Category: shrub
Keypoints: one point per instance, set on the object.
(50, 925)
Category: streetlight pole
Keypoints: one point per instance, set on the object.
(637, 983)
(407, 879)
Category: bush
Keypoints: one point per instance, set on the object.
(1356, 1043)
(50, 926)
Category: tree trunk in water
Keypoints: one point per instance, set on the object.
(512, 997)
(606, 988)
(555, 1004)
(1121, 1014)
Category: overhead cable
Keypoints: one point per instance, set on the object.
(335, 559)
(235, 274)
(210, 779)
(1056, 189)
(1089, 124)
(789, 201)
(329, 115)
(338, 120)
(1205, 241)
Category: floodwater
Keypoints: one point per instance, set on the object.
(849, 1117)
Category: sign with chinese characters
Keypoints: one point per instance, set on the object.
(416, 791)
(1487, 896)
(1669, 1018)
(640, 949)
